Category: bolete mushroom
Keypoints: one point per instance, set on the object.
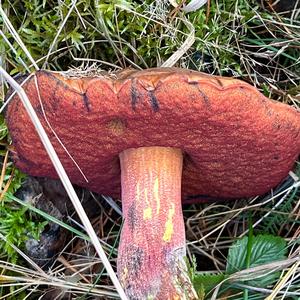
(159, 136)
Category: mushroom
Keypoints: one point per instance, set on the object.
(155, 137)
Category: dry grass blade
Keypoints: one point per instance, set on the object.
(171, 61)
(283, 281)
(194, 5)
(261, 270)
(65, 180)
(190, 7)
(26, 278)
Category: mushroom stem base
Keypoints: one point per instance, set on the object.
(151, 260)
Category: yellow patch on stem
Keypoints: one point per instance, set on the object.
(156, 196)
(147, 213)
(169, 228)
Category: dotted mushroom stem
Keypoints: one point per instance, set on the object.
(151, 261)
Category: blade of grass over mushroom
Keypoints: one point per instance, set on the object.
(2, 108)
(55, 134)
(65, 180)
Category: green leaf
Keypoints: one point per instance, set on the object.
(265, 249)
(76, 38)
(205, 282)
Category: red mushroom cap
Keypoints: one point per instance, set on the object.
(236, 142)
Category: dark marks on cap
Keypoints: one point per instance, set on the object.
(205, 98)
(55, 98)
(220, 83)
(203, 95)
(137, 97)
(134, 95)
(153, 101)
(86, 102)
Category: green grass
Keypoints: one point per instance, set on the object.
(233, 38)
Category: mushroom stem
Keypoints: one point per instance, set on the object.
(152, 248)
